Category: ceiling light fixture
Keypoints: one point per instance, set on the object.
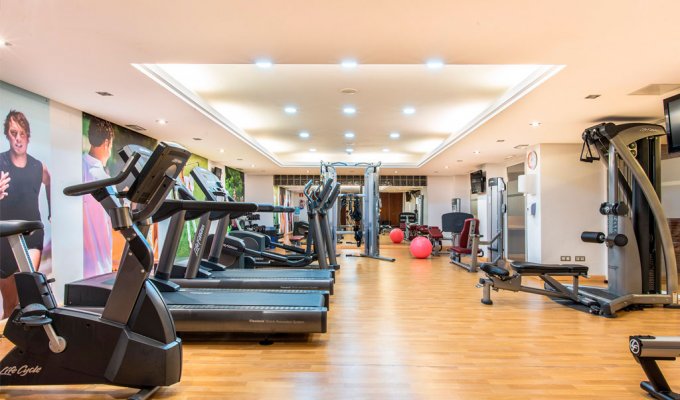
(349, 110)
(252, 165)
(459, 160)
(534, 124)
(349, 91)
(162, 121)
(521, 146)
(290, 110)
(349, 150)
(264, 63)
(508, 157)
(434, 64)
(349, 63)
(307, 172)
(593, 96)
(446, 167)
(102, 93)
(4, 43)
(395, 172)
(349, 135)
(198, 139)
(312, 150)
(386, 150)
(408, 110)
(500, 140)
(394, 135)
(304, 134)
(221, 150)
(476, 152)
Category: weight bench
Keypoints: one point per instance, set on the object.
(436, 236)
(500, 278)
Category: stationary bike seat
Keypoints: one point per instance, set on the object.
(15, 227)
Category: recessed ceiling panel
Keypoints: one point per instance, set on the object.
(350, 113)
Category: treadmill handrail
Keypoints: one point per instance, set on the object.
(91, 187)
(171, 207)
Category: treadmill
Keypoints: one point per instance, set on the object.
(205, 310)
(212, 273)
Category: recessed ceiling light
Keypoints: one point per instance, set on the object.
(476, 152)
(408, 110)
(436, 172)
(593, 96)
(264, 63)
(198, 139)
(508, 157)
(252, 165)
(395, 172)
(500, 140)
(4, 43)
(349, 150)
(521, 146)
(349, 91)
(105, 94)
(162, 121)
(534, 124)
(349, 63)
(239, 159)
(434, 64)
(307, 172)
(446, 167)
(394, 135)
(386, 150)
(290, 110)
(304, 134)
(349, 110)
(221, 150)
(349, 135)
(312, 150)
(459, 160)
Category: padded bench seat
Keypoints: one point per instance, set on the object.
(533, 268)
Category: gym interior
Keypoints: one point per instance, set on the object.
(356, 200)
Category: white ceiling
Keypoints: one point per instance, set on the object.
(69, 49)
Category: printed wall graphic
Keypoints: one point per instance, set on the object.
(234, 183)
(102, 247)
(190, 226)
(24, 181)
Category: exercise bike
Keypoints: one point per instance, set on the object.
(133, 342)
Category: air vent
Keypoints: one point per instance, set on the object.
(656, 89)
(105, 94)
(135, 127)
(593, 96)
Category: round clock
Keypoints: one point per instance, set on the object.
(532, 160)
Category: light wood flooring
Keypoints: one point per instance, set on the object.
(415, 329)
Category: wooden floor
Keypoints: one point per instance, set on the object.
(415, 329)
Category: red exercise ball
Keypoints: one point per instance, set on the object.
(420, 247)
(397, 235)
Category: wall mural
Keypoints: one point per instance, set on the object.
(24, 181)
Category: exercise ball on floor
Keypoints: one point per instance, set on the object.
(420, 247)
(397, 235)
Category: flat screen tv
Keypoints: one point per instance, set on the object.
(671, 107)
(478, 182)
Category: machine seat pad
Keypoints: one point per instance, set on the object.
(533, 268)
(492, 269)
(15, 227)
(436, 233)
(296, 238)
(460, 250)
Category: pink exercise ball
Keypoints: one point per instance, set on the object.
(420, 247)
(396, 235)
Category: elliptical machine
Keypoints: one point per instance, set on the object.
(133, 342)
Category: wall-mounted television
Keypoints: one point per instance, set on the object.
(478, 182)
(671, 107)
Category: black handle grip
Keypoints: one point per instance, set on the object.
(593, 237)
(617, 239)
(91, 187)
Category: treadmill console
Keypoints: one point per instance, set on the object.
(209, 184)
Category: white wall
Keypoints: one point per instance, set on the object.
(438, 198)
(66, 126)
(569, 193)
(260, 189)
(670, 187)
(461, 189)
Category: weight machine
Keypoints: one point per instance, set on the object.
(370, 207)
